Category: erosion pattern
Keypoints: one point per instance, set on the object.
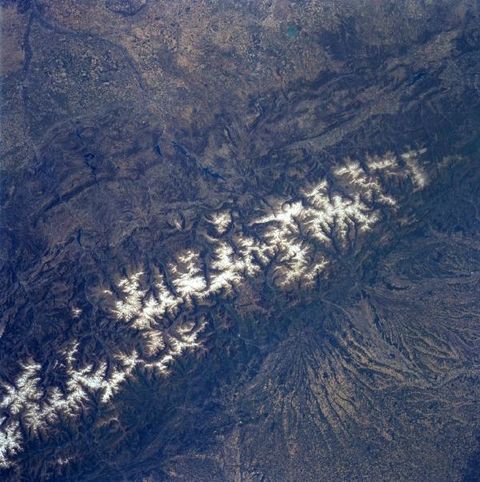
(240, 241)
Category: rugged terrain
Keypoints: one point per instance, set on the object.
(240, 240)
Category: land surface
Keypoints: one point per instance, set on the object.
(240, 240)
